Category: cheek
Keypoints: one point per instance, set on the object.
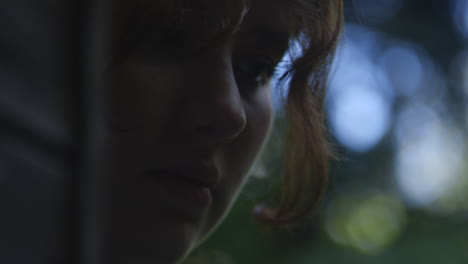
(248, 146)
(139, 94)
(238, 157)
(259, 119)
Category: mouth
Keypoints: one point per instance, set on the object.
(188, 185)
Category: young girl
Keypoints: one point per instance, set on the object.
(190, 109)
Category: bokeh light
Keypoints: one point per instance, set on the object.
(361, 96)
(459, 74)
(460, 16)
(360, 118)
(377, 12)
(459, 71)
(404, 65)
(369, 224)
(429, 159)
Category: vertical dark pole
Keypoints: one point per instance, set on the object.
(76, 61)
(92, 32)
(95, 43)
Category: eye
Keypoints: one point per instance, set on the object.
(252, 74)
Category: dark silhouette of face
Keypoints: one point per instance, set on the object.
(188, 118)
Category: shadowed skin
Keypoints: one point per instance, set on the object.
(172, 103)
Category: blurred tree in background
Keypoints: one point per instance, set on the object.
(398, 115)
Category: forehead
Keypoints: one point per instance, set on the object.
(225, 14)
(268, 16)
(199, 16)
(194, 23)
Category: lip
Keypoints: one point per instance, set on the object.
(187, 184)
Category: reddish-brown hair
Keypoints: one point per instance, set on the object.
(317, 28)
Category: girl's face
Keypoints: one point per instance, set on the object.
(186, 126)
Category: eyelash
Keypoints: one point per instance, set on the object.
(251, 75)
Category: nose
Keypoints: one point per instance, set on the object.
(213, 110)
